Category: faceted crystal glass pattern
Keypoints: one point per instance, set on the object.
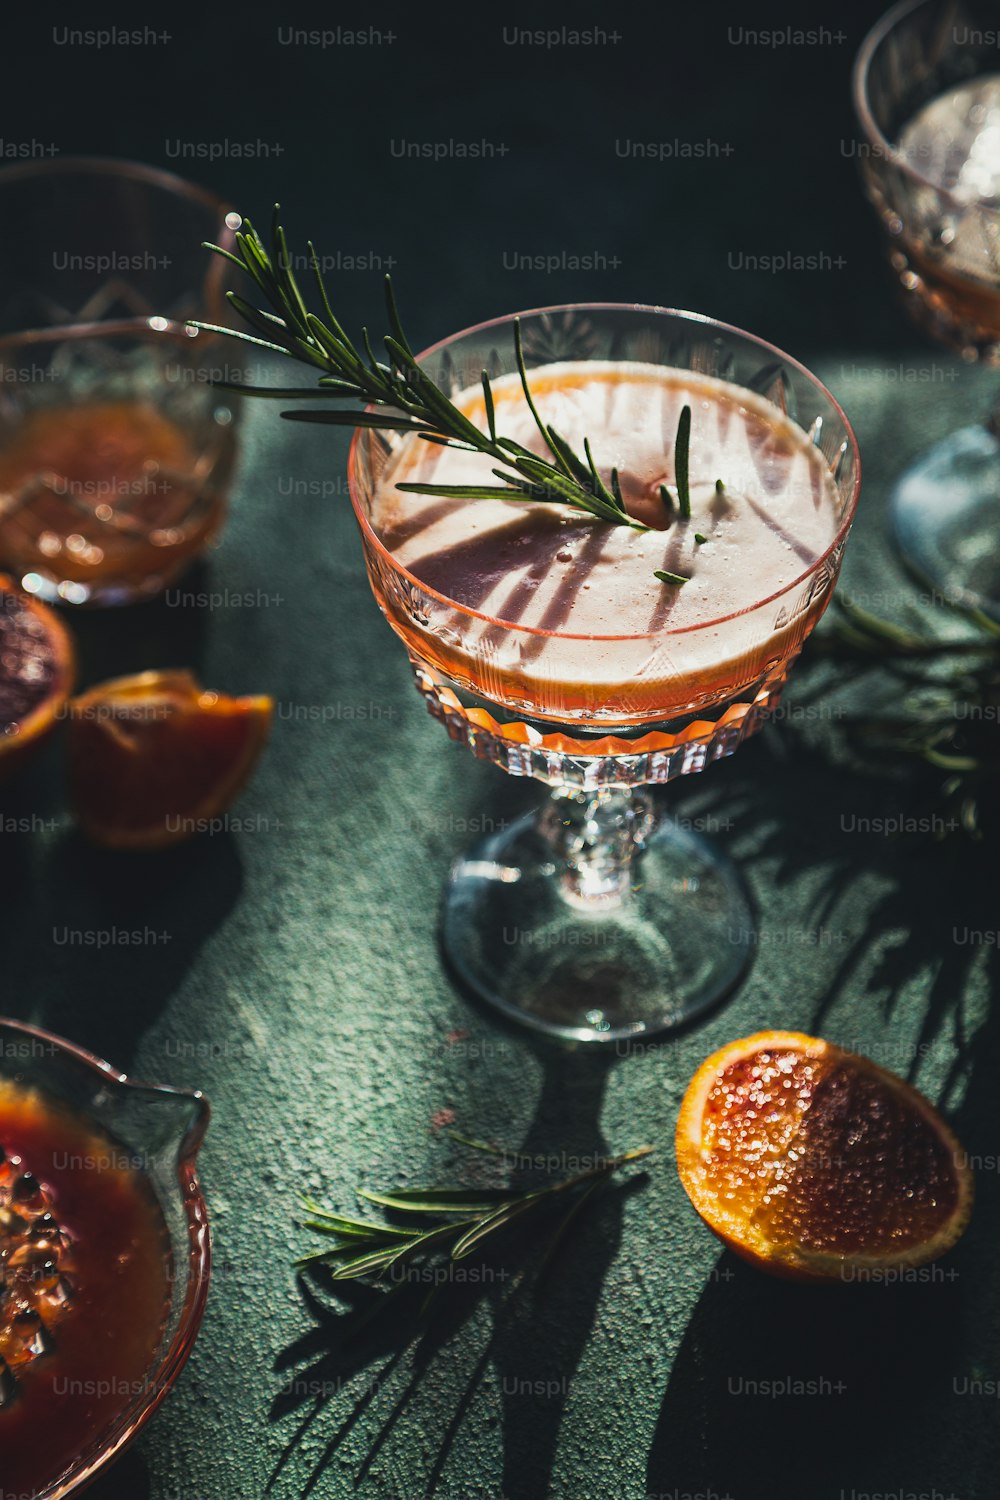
(938, 204)
(116, 453)
(626, 735)
(103, 240)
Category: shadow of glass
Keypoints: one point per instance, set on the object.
(109, 935)
(781, 1390)
(905, 909)
(379, 1348)
(169, 630)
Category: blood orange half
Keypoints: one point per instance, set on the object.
(154, 759)
(36, 673)
(814, 1162)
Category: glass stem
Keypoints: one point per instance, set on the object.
(596, 836)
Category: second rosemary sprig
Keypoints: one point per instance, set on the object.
(452, 1223)
(951, 696)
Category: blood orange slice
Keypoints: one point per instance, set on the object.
(814, 1162)
(36, 673)
(154, 759)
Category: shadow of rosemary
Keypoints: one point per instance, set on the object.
(524, 1301)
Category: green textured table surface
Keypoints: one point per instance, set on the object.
(294, 975)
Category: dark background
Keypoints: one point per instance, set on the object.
(678, 74)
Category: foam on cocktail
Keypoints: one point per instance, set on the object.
(548, 568)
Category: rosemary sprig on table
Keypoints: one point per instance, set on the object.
(407, 400)
(453, 1223)
(949, 717)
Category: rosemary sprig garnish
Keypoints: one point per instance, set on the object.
(949, 716)
(455, 1223)
(407, 400)
(681, 446)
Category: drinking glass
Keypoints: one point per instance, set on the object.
(116, 452)
(935, 182)
(598, 918)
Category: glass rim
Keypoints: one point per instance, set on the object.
(149, 327)
(118, 166)
(866, 118)
(226, 216)
(507, 319)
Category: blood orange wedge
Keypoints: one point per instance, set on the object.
(36, 673)
(155, 759)
(813, 1162)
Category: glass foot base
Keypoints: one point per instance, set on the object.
(619, 960)
(946, 518)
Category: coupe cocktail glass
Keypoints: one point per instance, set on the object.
(600, 919)
(927, 95)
